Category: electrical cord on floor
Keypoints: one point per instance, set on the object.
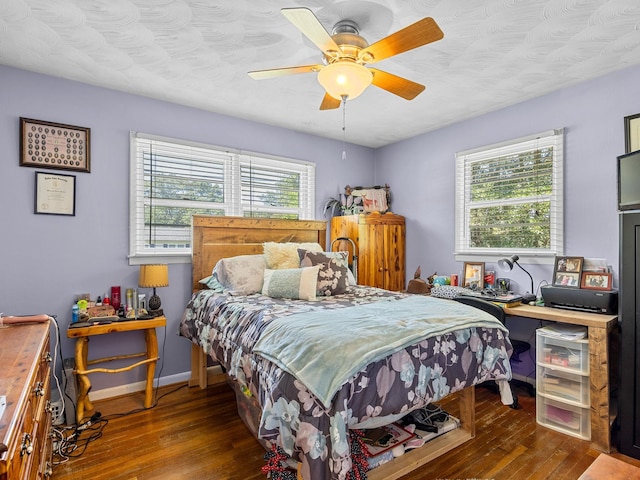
(71, 442)
(58, 417)
(65, 397)
(164, 343)
(137, 410)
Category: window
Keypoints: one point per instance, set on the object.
(509, 198)
(171, 180)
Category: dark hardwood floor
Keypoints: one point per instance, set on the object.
(197, 434)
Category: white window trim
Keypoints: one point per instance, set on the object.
(232, 185)
(530, 256)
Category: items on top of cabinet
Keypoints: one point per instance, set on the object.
(356, 200)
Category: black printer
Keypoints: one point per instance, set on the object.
(582, 299)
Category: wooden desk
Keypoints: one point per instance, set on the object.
(599, 328)
(82, 335)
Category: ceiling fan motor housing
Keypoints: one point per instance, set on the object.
(346, 35)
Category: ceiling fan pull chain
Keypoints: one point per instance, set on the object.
(344, 128)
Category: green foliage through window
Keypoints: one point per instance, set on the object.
(509, 197)
(175, 180)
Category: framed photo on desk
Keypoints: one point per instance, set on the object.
(596, 281)
(473, 275)
(567, 272)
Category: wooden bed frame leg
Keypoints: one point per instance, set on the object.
(198, 367)
(467, 410)
(202, 375)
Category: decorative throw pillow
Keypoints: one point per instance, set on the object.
(449, 291)
(241, 275)
(333, 276)
(294, 283)
(285, 255)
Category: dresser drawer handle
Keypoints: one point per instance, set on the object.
(47, 357)
(39, 389)
(27, 447)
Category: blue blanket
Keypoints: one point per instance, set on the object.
(324, 348)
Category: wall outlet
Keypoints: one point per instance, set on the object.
(57, 412)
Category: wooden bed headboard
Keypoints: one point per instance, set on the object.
(214, 238)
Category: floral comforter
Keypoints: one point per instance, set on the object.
(227, 327)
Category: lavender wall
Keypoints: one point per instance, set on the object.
(45, 260)
(592, 114)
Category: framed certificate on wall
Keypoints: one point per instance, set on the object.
(54, 145)
(55, 194)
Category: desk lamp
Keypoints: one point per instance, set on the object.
(152, 276)
(507, 264)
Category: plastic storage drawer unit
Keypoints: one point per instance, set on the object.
(562, 380)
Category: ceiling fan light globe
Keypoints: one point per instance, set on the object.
(348, 79)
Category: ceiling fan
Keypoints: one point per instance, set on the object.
(343, 73)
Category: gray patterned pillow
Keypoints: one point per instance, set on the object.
(241, 275)
(333, 277)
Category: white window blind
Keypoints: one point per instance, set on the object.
(171, 180)
(509, 198)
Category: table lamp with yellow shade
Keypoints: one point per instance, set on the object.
(153, 276)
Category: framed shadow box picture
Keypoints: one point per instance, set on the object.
(54, 145)
(567, 272)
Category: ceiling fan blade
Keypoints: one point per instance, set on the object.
(397, 85)
(310, 26)
(329, 103)
(281, 72)
(416, 35)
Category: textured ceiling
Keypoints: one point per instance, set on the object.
(494, 53)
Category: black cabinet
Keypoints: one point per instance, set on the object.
(629, 368)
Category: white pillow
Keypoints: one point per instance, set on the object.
(241, 275)
(294, 283)
(285, 255)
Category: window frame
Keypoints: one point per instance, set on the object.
(463, 205)
(233, 161)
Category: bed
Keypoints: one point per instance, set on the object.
(313, 422)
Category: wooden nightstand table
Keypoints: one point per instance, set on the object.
(82, 335)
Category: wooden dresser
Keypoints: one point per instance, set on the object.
(25, 426)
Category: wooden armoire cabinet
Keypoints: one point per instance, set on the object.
(380, 244)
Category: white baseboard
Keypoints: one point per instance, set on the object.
(136, 387)
(140, 386)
